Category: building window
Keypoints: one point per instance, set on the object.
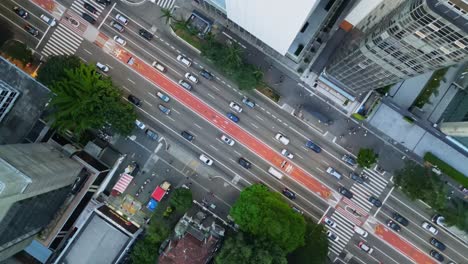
(303, 29)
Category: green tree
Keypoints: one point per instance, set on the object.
(166, 15)
(265, 214)
(241, 248)
(55, 67)
(83, 100)
(182, 199)
(18, 51)
(5, 33)
(315, 249)
(366, 157)
(456, 213)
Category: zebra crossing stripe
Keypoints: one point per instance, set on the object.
(349, 216)
(355, 207)
(167, 4)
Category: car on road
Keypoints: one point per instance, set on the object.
(235, 106)
(134, 100)
(439, 220)
(184, 60)
(163, 97)
(119, 40)
(348, 159)
(288, 193)
(233, 117)
(393, 225)
(140, 124)
(206, 74)
(117, 26)
(191, 77)
(164, 109)
(158, 66)
(31, 30)
(245, 163)
(360, 231)
(332, 236)
(21, 12)
(297, 210)
(345, 192)
(145, 33)
(185, 84)
(430, 228)
(436, 255)
(287, 154)
(334, 173)
(329, 222)
(364, 247)
(187, 135)
(281, 138)
(356, 177)
(90, 8)
(400, 219)
(88, 18)
(121, 19)
(104, 2)
(152, 134)
(376, 202)
(227, 140)
(313, 146)
(248, 102)
(50, 21)
(205, 159)
(436, 243)
(102, 67)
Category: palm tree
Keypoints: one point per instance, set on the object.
(167, 14)
(234, 55)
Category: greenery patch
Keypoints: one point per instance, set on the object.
(446, 169)
(430, 88)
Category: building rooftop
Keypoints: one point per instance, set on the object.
(188, 250)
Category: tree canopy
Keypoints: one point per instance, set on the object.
(84, 100)
(265, 214)
(366, 157)
(315, 248)
(5, 32)
(55, 67)
(182, 199)
(18, 50)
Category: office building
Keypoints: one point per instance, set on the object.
(35, 179)
(415, 37)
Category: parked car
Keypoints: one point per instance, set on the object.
(356, 177)
(430, 228)
(163, 97)
(287, 154)
(117, 26)
(329, 222)
(146, 34)
(245, 163)
(21, 12)
(235, 106)
(164, 109)
(350, 160)
(134, 100)
(191, 77)
(436, 243)
(332, 236)
(185, 84)
(313, 146)
(233, 117)
(227, 140)
(396, 227)
(184, 60)
(364, 247)
(345, 192)
(206, 74)
(376, 202)
(152, 134)
(31, 30)
(102, 67)
(436, 255)
(121, 19)
(248, 102)
(288, 193)
(88, 18)
(400, 219)
(104, 2)
(90, 8)
(140, 124)
(187, 135)
(205, 159)
(120, 40)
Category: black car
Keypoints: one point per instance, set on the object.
(345, 192)
(288, 193)
(313, 146)
(375, 201)
(436, 255)
(393, 225)
(134, 100)
(144, 33)
(21, 12)
(31, 30)
(245, 163)
(90, 8)
(187, 135)
(436, 243)
(356, 177)
(206, 74)
(88, 18)
(400, 219)
(104, 2)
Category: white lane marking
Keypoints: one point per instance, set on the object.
(125, 88)
(214, 147)
(254, 125)
(175, 111)
(43, 36)
(319, 169)
(299, 156)
(326, 163)
(89, 52)
(146, 102)
(237, 152)
(81, 58)
(384, 200)
(107, 15)
(130, 80)
(171, 118)
(259, 117)
(152, 95)
(216, 88)
(198, 126)
(210, 95)
(385, 254)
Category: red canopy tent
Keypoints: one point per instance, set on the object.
(158, 194)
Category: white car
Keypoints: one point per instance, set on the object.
(332, 236)
(140, 124)
(329, 222)
(287, 154)
(281, 138)
(227, 140)
(364, 247)
(121, 19)
(102, 67)
(235, 106)
(205, 159)
(360, 231)
(430, 228)
(191, 77)
(184, 60)
(120, 40)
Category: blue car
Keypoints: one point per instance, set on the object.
(313, 146)
(206, 74)
(233, 117)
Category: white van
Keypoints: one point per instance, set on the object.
(334, 173)
(275, 173)
(360, 231)
(184, 60)
(48, 20)
(281, 138)
(158, 66)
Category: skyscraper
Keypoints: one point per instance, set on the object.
(415, 37)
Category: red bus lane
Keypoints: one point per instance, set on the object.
(223, 123)
(402, 245)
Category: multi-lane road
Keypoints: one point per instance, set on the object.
(202, 112)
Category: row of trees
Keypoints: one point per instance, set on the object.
(11, 47)
(84, 99)
(269, 230)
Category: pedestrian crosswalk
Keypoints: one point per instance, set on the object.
(374, 186)
(79, 7)
(344, 230)
(62, 42)
(167, 4)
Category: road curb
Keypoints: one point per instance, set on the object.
(131, 3)
(183, 41)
